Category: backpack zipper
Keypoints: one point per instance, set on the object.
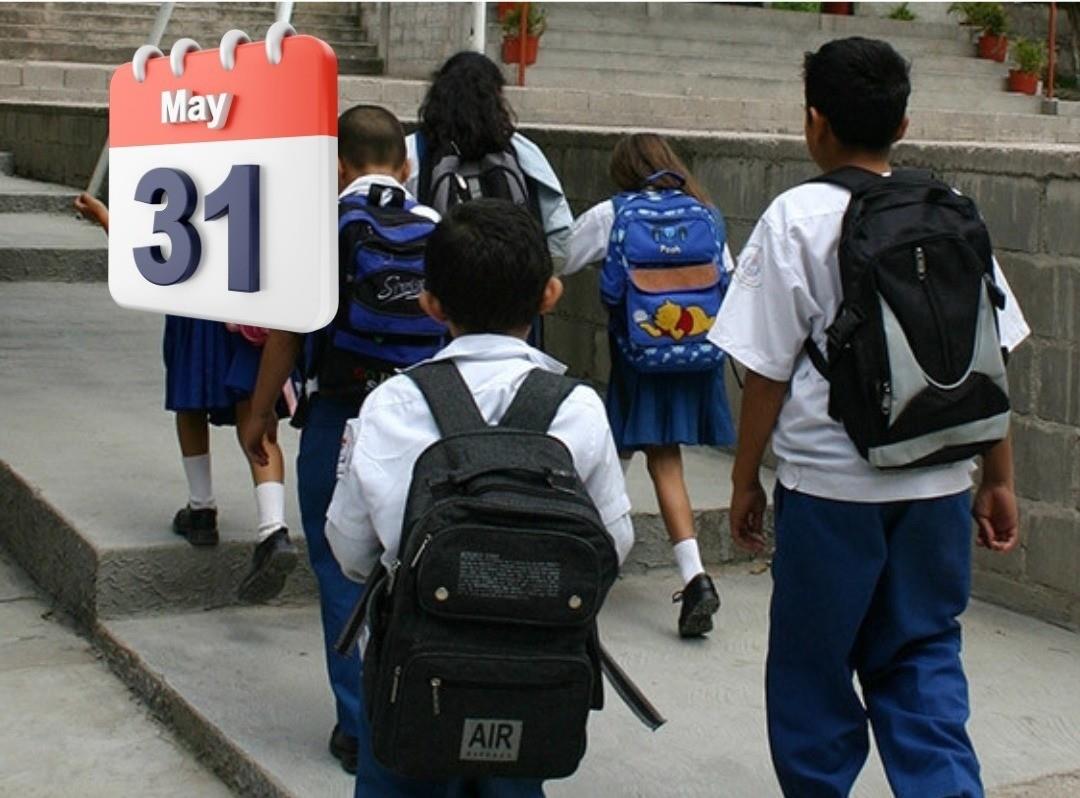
(923, 274)
(436, 682)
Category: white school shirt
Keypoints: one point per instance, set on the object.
(590, 235)
(787, 286)
(395, 425)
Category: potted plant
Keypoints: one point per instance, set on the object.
(902, 13)
(535, 25)
(1030, 58)
(991, 20)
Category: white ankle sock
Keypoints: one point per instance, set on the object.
(270, 499)
(624, 464)
(200, 487)
(688, 558)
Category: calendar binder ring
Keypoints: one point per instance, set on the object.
(227, 48)
(177, 53)
(274, 37)
(142, 55)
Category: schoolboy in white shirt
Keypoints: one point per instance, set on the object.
(488, 275)
(871, 567)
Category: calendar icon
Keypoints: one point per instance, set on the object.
(223, 181)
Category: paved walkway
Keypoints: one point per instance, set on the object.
(67, 726)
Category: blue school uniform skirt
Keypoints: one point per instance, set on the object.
(656, 409)
(207, 368)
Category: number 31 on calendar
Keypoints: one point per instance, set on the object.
(222, 181)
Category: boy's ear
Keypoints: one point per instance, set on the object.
(431, 305)
(340, 174)
(902, 130)
(404, 172)
(553, 292)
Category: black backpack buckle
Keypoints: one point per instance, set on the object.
(840, 331)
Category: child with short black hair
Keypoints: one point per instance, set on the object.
(488, 276)
(872, 567)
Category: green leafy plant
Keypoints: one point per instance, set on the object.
(809, 7)
(988, 17)
(536, 22)
(1030, 56)
(902, 13)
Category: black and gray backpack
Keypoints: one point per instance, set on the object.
(447, 179)
(914, 360)
(481, 656)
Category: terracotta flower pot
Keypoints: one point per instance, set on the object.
(511, 49)
(843, 9)
(1024, 82)
(993, 47)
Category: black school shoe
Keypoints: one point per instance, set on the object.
(343, 748)
(271, 563)
(700, 601)
(198, 526)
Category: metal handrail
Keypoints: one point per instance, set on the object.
(283, 13)
(101, 168)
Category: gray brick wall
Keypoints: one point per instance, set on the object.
(422, 35)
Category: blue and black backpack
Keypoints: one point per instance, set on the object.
(664, 278)
(379, 326)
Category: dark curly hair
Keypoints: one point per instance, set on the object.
(465, 106)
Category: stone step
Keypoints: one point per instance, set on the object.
(928, 92)
(246, 688)
(31, 196)
(50, 247)
(353, 59)
(105, 33)
(691, 70)
(92, 522)
(605, 43)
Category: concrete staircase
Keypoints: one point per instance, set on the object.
(108, 33)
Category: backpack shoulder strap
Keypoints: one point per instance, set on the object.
(629, 692)
(538, 400)
(449, 398)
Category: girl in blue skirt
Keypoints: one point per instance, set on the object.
(658, 413)
(210, 374)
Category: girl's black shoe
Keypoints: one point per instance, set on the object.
(272, 562)
(198, 526)
(700, 601)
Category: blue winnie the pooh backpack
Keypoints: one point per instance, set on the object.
(380, 326)
(664, 278)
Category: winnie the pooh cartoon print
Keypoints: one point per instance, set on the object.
(674, 321)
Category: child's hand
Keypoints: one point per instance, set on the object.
(995, 512)
(748, 516)
(92, 208)
(254, 432)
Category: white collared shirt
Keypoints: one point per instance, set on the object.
(786, 287)
(395, 425)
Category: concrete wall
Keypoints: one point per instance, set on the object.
(1029, 196)
(421, 35)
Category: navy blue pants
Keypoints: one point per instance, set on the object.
(316, 475)
(874, 591)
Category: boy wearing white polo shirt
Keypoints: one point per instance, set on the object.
(488, 275)
(872, 566)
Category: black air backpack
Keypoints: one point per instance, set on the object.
(447, 179)
(914, 360)
(481, 656)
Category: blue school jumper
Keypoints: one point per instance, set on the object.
(874, 590)
(207, 368)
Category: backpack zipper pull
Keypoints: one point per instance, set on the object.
(886, 398)
(920, 263)
(394, 686)
(436, 683)
(391, 576)
(420, 551)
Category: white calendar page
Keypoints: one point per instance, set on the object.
(237, 169)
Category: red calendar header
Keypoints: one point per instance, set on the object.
(254, 100)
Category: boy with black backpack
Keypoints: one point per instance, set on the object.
(480, 499)
(873, 321)
(379, 328)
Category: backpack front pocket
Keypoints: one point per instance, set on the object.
(494, 716)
